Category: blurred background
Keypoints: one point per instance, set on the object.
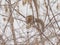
(13, 30)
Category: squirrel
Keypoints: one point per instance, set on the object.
(30, 20)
